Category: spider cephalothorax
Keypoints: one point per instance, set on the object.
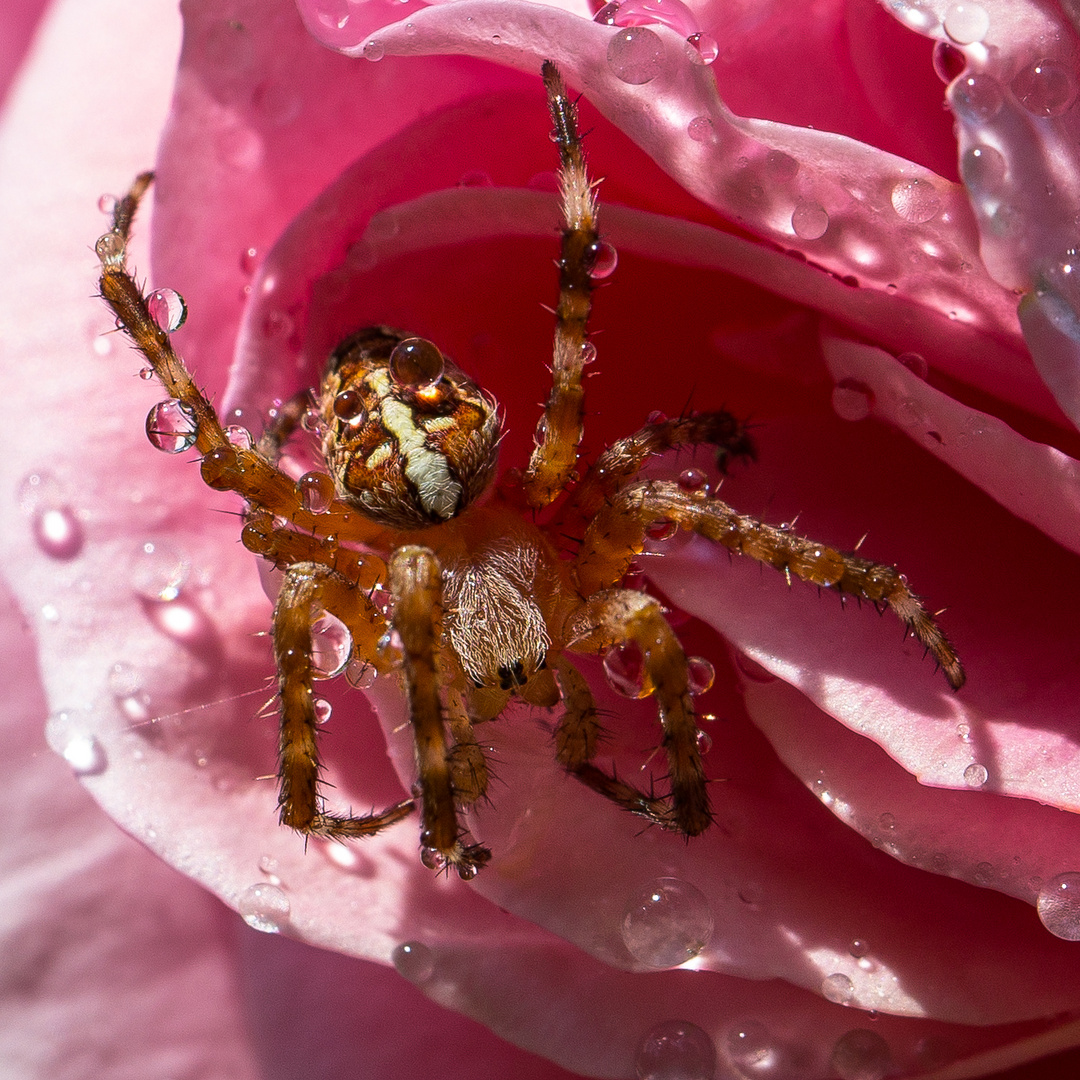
(483, 604)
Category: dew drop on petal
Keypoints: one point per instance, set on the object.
(264, 907)
(167, 308)
(701, 674)
(1058, 905)
(323, 710)
(948, 60)
(749, 1045)
(316, 491)
(809, 221)
(916, 13)
(107, 204)
(977, 97)
(975, 775)
(68, 735)
(414, 961)
(171, 427)
(331, 646)
(57, 532)
(852, 400)
(701, 130)
(982, 167)
(602, 258)
(664, 529)
(966, 23)
(887, 821)
(607, 14)
(672, 13)
(158, 571)
(635, 55)
(668, 923)
(915, 200)
(702, 49)
(1045, 88)
(675, 1050)
(373, 50)
(861, 1054)
(915, 363)
(415, 363)
(837, 988)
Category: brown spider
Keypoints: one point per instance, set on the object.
(482, 608)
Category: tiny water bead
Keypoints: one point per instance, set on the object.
(977, 97)
(68, 734)
(316, 491)
(635, 55)
(668, 923)
(858, 948)
(414, 961)
(915, 200)
(624, 667)
(107, 204)
(809, 221)
(167, 308)
(601, 258)
(915, 363)
(975, 775)
(966, 23)
(360, 674)
(693, 479)
(158, 571)
(588, 352)
(58, 532)
(1045, 88)
(323, 710)
(264, 907)
(887, 821)
(852, 400)
(701, 674)
(749, 1045)
(701, 130)
(861, 1054)
(171, 427)
(415, 363)
(676, 1050)
(838, 988)
(331, 646)
(1058, 905)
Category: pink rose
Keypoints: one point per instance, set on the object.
(764, 265)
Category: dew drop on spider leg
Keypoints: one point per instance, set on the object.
(1058, 905)
(601, 258)
(239, 437)
(360, 674)
(167, 308)
(624, 667)
(694, 481)
(68, 734)
(331, 646)
(414, 961)
(264, 907)
(171, 427)
(416, 363)
(700, 673)
(676, 1050)
(323, 710)
(316, 491)
(852, 400)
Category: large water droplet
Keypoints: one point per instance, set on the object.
(676, 1050)
(949, 61)
(331, 646)
(1045, 88)
(809, 221)
(852, 400)
(167, 309)
(673, 13)
(69, 735)
(1058, 905)
(601, 258)
(158, 571)
(624, 667)
(416, 363)
(915, 200)
(975, 775)
(668, 923)
(57, 532)
(977, 97)
(413, 960)
(701, 130)
(861, 1054)
(966, 23)
(171, 427)
(838, 988)
(264, 907)
(635, 55)
(110, 250)
(316, 491)
(750, 1046)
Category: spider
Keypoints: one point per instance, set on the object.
(482, 607)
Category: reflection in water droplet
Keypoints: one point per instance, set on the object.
(635, 55)
(676, 1050)
(852, 400)
(838, 988)
(413, 960)
(58, 533)
(170, 426)
(668, 923)
(975, 775)
(1045, 88)
(331, 646)
(966, 23)
(977, 97)
(323, 710)
(861, 1054)
(915, 13)
(915, 200)
(110, 249)
(809, 221)
(1058, 905)
(68, 734)
(167, 308)
(264, 907)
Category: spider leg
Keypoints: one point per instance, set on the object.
(617, 533)
(309, 587)
(555, 456)
(225, 466)
(468, 767)
(623, 615)
(416, 586)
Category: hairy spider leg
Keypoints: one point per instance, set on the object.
(468, 766)
(621, 615)
(307, 589)
(553, 460)
(617, 533)
(225, 467)
(416, 588)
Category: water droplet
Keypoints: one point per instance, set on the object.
(656, 417)
(239, 437)
(852, 400)
(414, 961)
(668, 923)
(1045, 88)
(838, 988)
(107, 204)
(348, 405)
(702, 49)
(110, 249)
(701, 130)
(601, 258)
(171, 427)
(1058, 905)
(975, 775)
(984, 873)
(915, 363)
(977, 97)
(861, 1054)
(624, 667)
(916, 200)
(264, 907)
(360, 674)
(323, 710)
(858, 948)
(701, 674)
(316, 491)
(68, 734)
(658, 531)
(982, 167)
(635, 55)
(675, 1050)
(373, 50)
(963, 732)
(167, 309)
(809, 221)
(672, 13)
(158, 571)
(415, 363)
(915, 13)
(966, 23)
(704, 741)
(57, 532)
(887, 821)
(749, 1045)
(331, 646)
(606, 15)
(588, 352)
(693, 480)
(948, 60)
(432, 858)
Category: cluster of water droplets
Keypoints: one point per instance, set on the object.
(635, 54)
